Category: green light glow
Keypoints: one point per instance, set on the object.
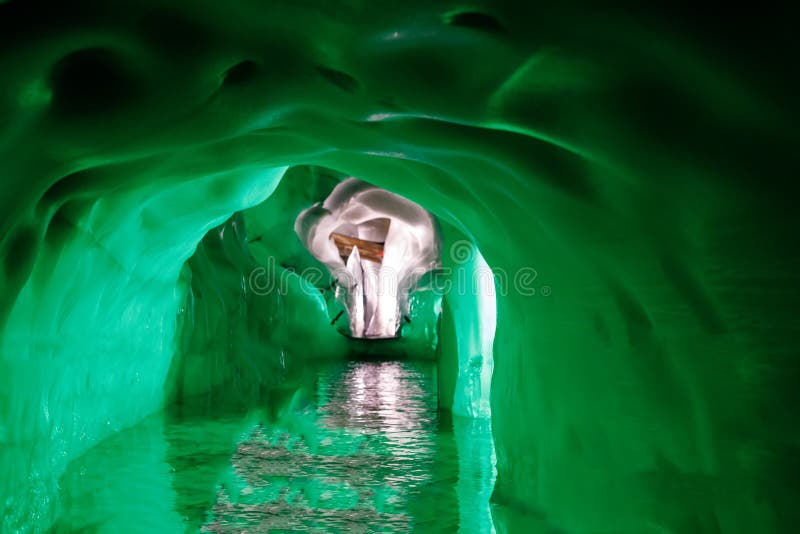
(623, 172)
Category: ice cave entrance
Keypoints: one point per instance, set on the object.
(377, 246)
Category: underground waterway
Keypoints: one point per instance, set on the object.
(363, 449)
(627, 172)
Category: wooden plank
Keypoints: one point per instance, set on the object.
(368, 250)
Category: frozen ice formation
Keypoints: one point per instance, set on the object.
(624, 171)
(376, 293)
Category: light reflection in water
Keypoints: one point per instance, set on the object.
(355, 462)
(367, 452)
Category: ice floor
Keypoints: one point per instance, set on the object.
(366, 451)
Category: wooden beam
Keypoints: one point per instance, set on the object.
(368, 250)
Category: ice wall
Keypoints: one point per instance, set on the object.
(89, 337)
(110, 322)
(626, 168)
(240, 323)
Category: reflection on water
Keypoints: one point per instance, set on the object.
(365, 452)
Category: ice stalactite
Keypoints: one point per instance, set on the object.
(354, 296)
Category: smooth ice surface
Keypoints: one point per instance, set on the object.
(364, 450)
(627, 168)
(472, 303)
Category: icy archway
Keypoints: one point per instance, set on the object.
(375, 289)
(632, 161)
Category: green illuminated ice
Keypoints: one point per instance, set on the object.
(620, 171)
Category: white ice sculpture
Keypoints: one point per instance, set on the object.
(375, 294)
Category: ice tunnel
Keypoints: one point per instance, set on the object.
(589, 210)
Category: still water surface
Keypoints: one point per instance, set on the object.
(362, 450)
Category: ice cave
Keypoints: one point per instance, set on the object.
(350, 266)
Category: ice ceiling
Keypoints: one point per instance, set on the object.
(625, 168)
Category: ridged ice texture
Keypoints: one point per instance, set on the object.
(633, 159)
